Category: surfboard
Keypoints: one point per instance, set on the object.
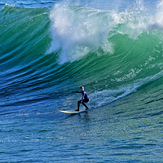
(72, 111)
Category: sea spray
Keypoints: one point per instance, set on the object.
(77, 30)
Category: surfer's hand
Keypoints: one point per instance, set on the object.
(72, 91)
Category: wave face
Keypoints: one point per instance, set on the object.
(47, 50)
(24, 40)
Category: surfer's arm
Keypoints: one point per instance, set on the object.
(76, 92)
(81, 93)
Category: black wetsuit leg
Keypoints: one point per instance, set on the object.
(85, 101)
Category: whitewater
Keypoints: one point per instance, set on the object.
(49, 49)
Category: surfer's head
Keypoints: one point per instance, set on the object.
(82, 88)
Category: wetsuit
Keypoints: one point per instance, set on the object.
(84, 99)
(84, 96)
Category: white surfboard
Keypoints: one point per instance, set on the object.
(72, 111)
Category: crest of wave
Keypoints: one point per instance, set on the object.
(77, 30)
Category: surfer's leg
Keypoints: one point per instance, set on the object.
(85, 105)
(78, 105)
(85, 101)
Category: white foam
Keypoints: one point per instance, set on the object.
(78, 30)
(158, 17)
(100, 98)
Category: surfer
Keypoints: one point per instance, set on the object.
(84, 99)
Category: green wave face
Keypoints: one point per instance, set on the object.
(111, 53)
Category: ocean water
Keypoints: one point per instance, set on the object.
(49, 49)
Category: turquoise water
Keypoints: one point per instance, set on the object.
(113, 49)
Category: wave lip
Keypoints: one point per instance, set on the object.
(77, 30)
